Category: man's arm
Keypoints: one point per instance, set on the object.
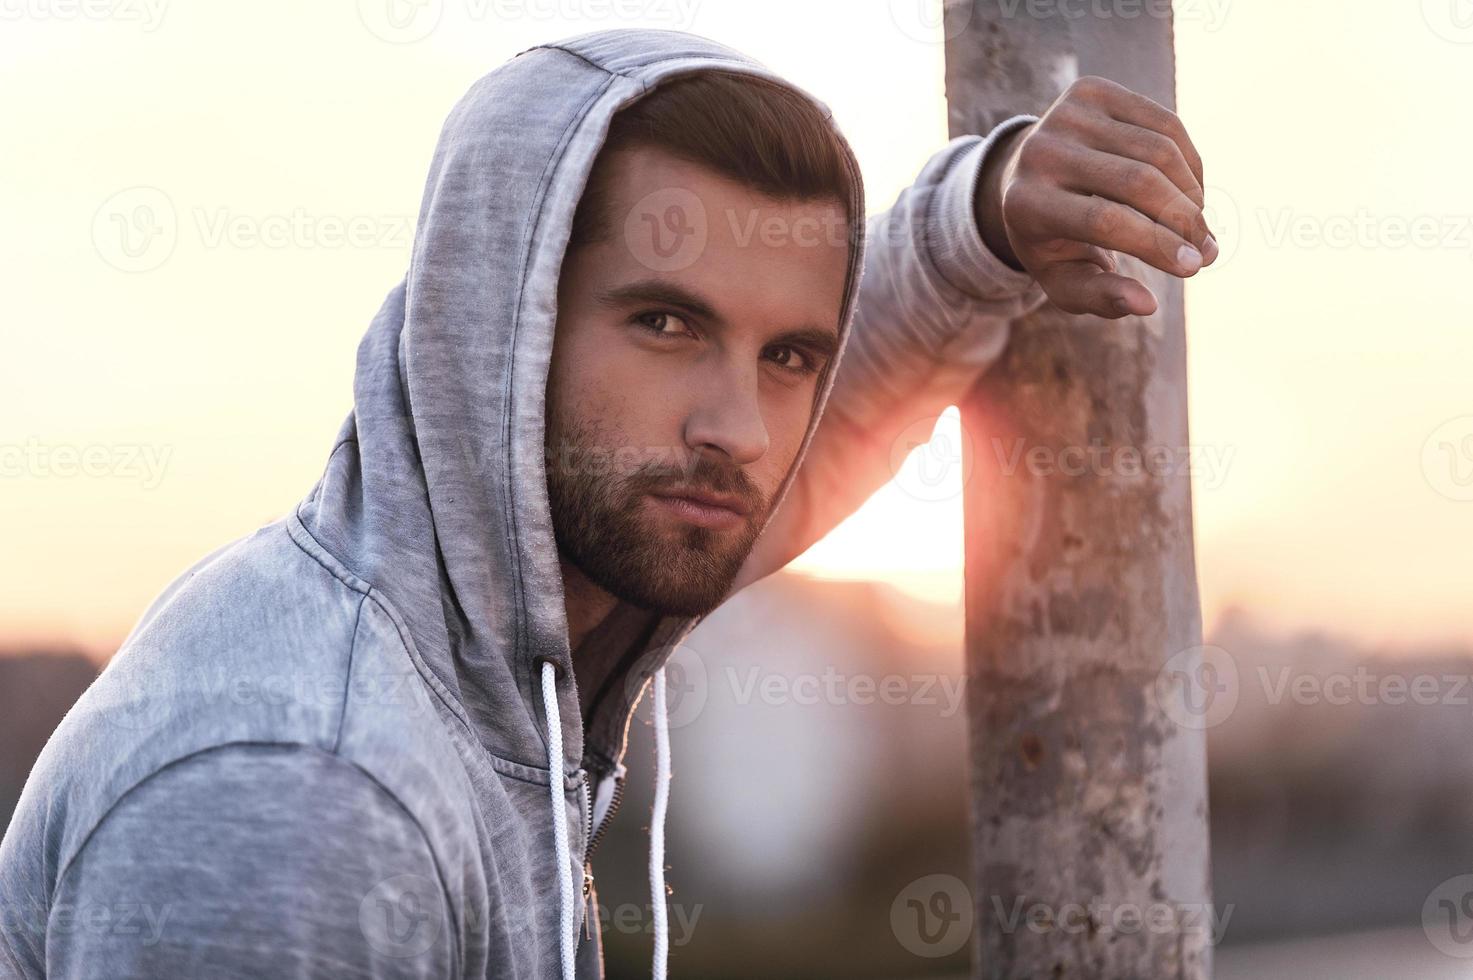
(252, 861)
(1038, 210)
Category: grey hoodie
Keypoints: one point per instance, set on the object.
(324, 750)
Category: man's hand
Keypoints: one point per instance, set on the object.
(1105, 170)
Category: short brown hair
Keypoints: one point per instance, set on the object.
(751, 130)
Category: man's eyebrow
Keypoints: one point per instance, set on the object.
(816, 339)
(824, 343)
(662, 292)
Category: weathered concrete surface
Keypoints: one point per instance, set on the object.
(1089, 813)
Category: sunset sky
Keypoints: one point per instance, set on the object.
(200, 383)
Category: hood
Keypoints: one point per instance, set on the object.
(435, 491)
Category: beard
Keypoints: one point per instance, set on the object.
(602, 522)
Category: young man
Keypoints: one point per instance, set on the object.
(380, 737)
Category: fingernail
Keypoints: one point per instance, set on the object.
(1189, 258)
(1210, 251)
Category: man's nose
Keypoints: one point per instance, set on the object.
(727, 415)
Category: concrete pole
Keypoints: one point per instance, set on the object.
(1088, 762)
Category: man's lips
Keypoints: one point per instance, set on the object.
(698, 508)
(708, 499)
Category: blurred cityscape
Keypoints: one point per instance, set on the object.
(818, 731)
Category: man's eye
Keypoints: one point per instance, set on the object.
(656, 320)
(800, 361)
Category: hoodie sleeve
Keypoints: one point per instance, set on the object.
(933, 313)
(252, 860)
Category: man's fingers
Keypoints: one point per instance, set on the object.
(1138, 110)
(1062, 250)
(1107, 224)
(1082, 286)
(1141, 186)
(1107, 171)
(1148, 146)
(1123, 105)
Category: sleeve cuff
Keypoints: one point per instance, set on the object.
(957, 248)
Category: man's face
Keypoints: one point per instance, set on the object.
(690, 344)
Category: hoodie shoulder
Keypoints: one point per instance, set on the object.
(261, 644)
(261, 861)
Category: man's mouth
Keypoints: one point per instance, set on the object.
(703, 509)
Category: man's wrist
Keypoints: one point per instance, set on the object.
(987, 202)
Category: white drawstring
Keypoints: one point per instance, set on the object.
(657, 828)
(559, 814)
(560, 822)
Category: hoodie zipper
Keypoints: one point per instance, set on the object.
(593, 836)
(587, 866)
(604, 824)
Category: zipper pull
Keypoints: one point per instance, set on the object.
(587, 901)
